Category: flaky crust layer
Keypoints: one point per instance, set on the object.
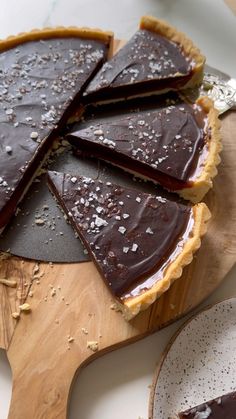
(163, 28)
(58, 32)
(133, 305)
(203, 182)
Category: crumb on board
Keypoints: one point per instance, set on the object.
(15, 315)
(85, 331)
(115, 307)
(25, 307)
(92, 345)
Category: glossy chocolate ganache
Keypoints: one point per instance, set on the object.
(223, 407)
(167, 144)
(132, 236)
(39, 81)
(147, 62)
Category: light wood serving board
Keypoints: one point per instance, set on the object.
(69, 300)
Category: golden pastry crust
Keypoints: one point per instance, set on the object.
(164, 29)
(133, 305)
(58, 32)
(203, 182)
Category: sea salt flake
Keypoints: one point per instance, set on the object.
(125, 249)
(9, 111)
(73, 179)
(134, 247)
(141, 122)
(125, 216)
(99, 222)
(149, 231)
(178, 137)
(204, 414)
(122, 229)
(110, 143)
(138, 199)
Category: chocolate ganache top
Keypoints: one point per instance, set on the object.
(147, 59)
(223, 407)
(164, 144)
(132, 236)
(38, 81)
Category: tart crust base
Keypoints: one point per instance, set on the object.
(203, 182)
(162, 28)
(133, 305)
(58, 32)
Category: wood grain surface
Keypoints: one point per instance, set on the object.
(71, 307)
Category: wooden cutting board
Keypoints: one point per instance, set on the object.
(70, 305)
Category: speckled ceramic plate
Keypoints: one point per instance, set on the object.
(199, 364)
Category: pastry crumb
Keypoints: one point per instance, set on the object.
(92, 345)
(85, 331)
(70, 339)
(15, 315)
(115, 307)
(25, 307)
(39, 221)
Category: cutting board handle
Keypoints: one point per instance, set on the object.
(41, 391)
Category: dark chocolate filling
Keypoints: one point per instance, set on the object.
(166, 144)
(131, 235)
(40, 81)
(148, 62)
(223, 407)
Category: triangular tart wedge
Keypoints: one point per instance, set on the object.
(176, 145)
(139, 242)
(158, 58)
(42, 75)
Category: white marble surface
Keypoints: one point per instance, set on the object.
(116, 386)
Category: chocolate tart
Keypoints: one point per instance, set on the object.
(42, 75)
(223, 407)
(139, 242)
(158, 58)
(176, 145)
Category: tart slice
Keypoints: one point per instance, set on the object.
(223, 407)
(42, 74)
(139, 242)
(157, 59)
(174, 145)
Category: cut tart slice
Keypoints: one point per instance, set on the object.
(42, 75)
(157, 59)
(138, 241)
(223, 407)
(176, 145)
